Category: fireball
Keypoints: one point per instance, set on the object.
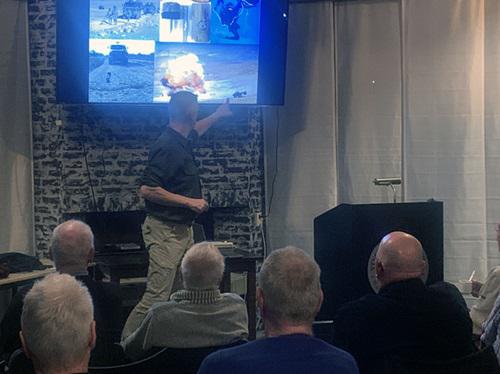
(184, 73)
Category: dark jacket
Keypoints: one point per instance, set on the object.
(405, 319)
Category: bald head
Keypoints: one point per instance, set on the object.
(72, 246)
(400, 256)
(183, 107)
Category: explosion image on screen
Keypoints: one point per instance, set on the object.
(184, 73)
(213, 72)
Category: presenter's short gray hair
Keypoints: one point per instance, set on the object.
(290, 282)
(56, 321)
(202, 266)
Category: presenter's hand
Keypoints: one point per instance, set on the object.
(198, 205)
(224, 110)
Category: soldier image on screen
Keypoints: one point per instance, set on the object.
(229, 13)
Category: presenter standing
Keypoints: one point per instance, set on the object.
(172, 192)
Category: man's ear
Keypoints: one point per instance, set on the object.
(23, 344)
(320, 301)
(260, 300)
(91, 255)
(92, 336)
(379, 269)
(423, 268)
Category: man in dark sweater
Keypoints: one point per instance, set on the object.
(72, 248)
(406, 319)
(289, 297)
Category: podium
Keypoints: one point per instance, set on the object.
(346, 236)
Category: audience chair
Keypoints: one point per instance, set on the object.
(150, 364)
(19, 363)
(165, 360)
(160, 360)
(188, 360)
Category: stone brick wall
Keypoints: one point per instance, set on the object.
(94, 160)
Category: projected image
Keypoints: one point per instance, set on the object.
(185, 21)
(235, 21)
(121, 71)
(213, 72)
(124, 19)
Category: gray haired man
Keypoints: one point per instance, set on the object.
(196, 316)
(72, 248)
(289, 297)
(58, 327)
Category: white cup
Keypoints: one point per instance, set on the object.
(465, 286)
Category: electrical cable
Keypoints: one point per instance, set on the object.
(271, 195)
(84, 149)
(276, 144)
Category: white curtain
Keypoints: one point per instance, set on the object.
(444, 122)
(417, 86)
(16, 192)
(369, 98)
(301, 135)
(492, 126)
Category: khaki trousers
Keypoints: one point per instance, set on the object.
(166, 243)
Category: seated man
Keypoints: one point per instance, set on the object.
(72, 249)
(197, 316)
(487, 294)
(58, 327)
(406, 319)
(289, 297)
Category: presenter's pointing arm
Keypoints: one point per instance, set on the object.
(204, 124)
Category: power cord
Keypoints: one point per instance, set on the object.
(271, 195)
(84, 149)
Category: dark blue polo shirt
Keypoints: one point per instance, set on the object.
(287, 354)
(171, 165)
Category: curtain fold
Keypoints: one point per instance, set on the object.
(369, 98)
(16, 192)
(301, 135)
(492, 125)
(444, 127)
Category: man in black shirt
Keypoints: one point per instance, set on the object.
(406, 319)
(172, 192)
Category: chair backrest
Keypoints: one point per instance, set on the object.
(483, 361)
(19, 363)
(165, 360)
(188, 360)
(150, 364)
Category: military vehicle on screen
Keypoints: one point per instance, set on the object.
(135, 9)
(118, 54)
(132, 9)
